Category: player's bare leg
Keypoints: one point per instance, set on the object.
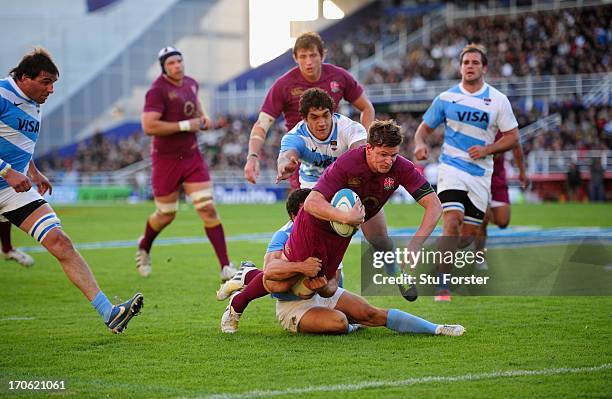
(60, 246)
(501, 215)
(480, 241)
(451, 234)
(357, 309)
(202, 197)
(44, 226)
(165, 212)
(321, 320)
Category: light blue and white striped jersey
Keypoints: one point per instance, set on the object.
(19, 126)
(470, 119)
(316, 155)
(277, 243)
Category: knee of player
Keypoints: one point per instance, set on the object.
(166, 212)
(208, 212)
(338, 323)
(57, 242)
(503, 224)
(203, 201)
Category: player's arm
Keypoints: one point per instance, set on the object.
(317, 206)
(507, 142)
(433, 212)
(42, 183)
(286, 164)
(256, 142)
(18, 181)
(357, 144)
(323, 287)
(519, 158)
(205, 122)
(366, 108)
(427, 198)
(421, 148)
(152, 125)
(277, 268)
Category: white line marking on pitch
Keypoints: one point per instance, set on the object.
(406, 382)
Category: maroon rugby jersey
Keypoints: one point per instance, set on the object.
(498, 178)
(284, 95)
(351, 170)
(175, 104)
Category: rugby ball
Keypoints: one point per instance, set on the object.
(344, 200)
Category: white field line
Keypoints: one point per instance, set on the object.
(406, 382)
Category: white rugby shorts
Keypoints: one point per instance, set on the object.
(477, 187)
(289, 313)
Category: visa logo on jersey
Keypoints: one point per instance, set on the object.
(473, 116)
(29, 126)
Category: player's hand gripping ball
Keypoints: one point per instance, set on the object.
(344, 200)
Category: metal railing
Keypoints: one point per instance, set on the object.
(551, 87)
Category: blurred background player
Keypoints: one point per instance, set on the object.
(30, 84)
(498, 211)
(173, 115)
(473, 112)
(284, 96)
(318, 315)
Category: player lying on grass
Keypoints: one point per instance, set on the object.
(336, 314)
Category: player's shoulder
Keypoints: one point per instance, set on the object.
(159, 85)
(451, 94)
(288, 77)
(402, 164)
(190, 81)
(334, 71)
(346, 123)
(300, 129)
(495, 93)
(351, 158)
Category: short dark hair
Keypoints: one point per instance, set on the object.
(296, 199)
(307, 41)
(475, 48)
(33, 63)
(385, 133)
(315, 98)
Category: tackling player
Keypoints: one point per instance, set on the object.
(30, 84)
(284, 96)
(173, 115)
(374, 172)
(317, 314)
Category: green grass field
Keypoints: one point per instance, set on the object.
(514, 346)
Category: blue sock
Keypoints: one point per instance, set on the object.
(351, 328)
(341, 281)
(103, 306)
(403, 322)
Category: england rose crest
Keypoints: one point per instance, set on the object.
(389, 183)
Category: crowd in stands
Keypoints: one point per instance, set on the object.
(224, 148)
(99, 154)
(569, 41)
(572, 40)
